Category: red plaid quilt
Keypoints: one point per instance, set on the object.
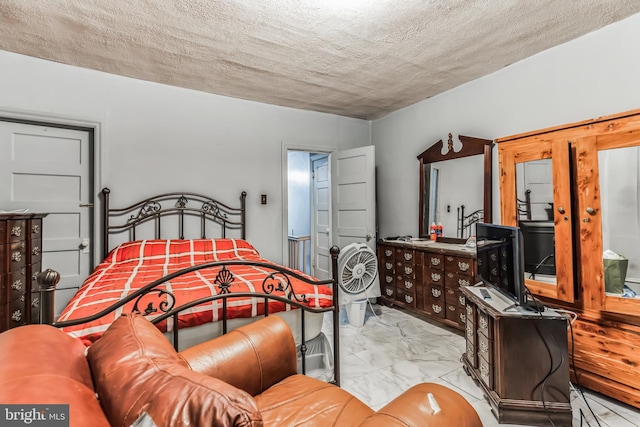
(133, 265)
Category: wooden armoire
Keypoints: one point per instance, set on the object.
(577, 186)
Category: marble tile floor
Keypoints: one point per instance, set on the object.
(395, 350)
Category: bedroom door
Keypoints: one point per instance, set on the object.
(320, 216)
(353, 190)
(49, 169)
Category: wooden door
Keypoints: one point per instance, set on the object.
(49, 169)
(320, 217)
(608, 179)
(555, 232)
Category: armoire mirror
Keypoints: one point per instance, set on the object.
(455, 185)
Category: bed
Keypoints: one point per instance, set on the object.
(206, 280)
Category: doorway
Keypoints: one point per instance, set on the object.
(328, 199)
(308, 212)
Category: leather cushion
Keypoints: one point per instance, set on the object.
(43, 349)
(136, 370)
(304, 401)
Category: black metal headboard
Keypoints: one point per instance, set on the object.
(177, 205)
(466, 221)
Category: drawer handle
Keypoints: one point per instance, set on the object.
(470, 330)
(35, 251)
(408, 284)
(388, 252)
(463, 282)
(462, 301)
(16, 316)
(436, 292)
(463, 266)
(389, 279)
(389, 292)
(451, 307)
(16, 230)
(35, 303)
(493, 256)
(388, 265)
(16, 256)
(483, 323)
(408, 299)
(408, 256)
(17, 285)
(436, 308)
(435, 277)
(22, 298)
(408, 270)
(470, 354)
(484, 371)
(435, 261)
(484, 347)
(35, 229)
(34, 276)
(469, 310)
(463, 318)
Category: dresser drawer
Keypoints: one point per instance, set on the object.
(485, 348)
(404, 255)
(485, 324)
(387, 279)
(387, 266)
(455, 280)
(471, 355)
(388, 291)
(17, 231)
(17, 312)
(407, 298)
(470, 332)
(471, 314)
(486, 372)
(434, 261)
(36, 251)
(434, 276)
(407, 284)
(451, 295)
(459, 265)
(462, 317)
(435, 293)
(452, 311)
(17, 254)
(434, 306)
(404, 269)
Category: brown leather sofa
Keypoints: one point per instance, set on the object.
(245, 378)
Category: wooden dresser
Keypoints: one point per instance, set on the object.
(518, 357)
(426, 278)
(20, 264)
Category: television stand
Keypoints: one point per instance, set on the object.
(519, 358)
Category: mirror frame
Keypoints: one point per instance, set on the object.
(471, 146)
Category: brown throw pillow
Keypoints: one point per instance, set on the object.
(136, 370)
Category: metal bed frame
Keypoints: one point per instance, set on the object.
(154, 299)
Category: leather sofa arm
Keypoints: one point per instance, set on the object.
(428, 405)
(252, 358)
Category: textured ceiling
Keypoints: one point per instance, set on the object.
(357, 58)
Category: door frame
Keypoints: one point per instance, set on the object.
(285, 189)
(95, 129)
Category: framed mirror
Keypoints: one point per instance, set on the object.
(455, 186)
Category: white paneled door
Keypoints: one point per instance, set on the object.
(49, 169)
(353, 197)
(320, 217)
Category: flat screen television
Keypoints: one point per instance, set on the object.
(539, 247)
(500, 256)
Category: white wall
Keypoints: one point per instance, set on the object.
(157, 138)
(595, 75)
